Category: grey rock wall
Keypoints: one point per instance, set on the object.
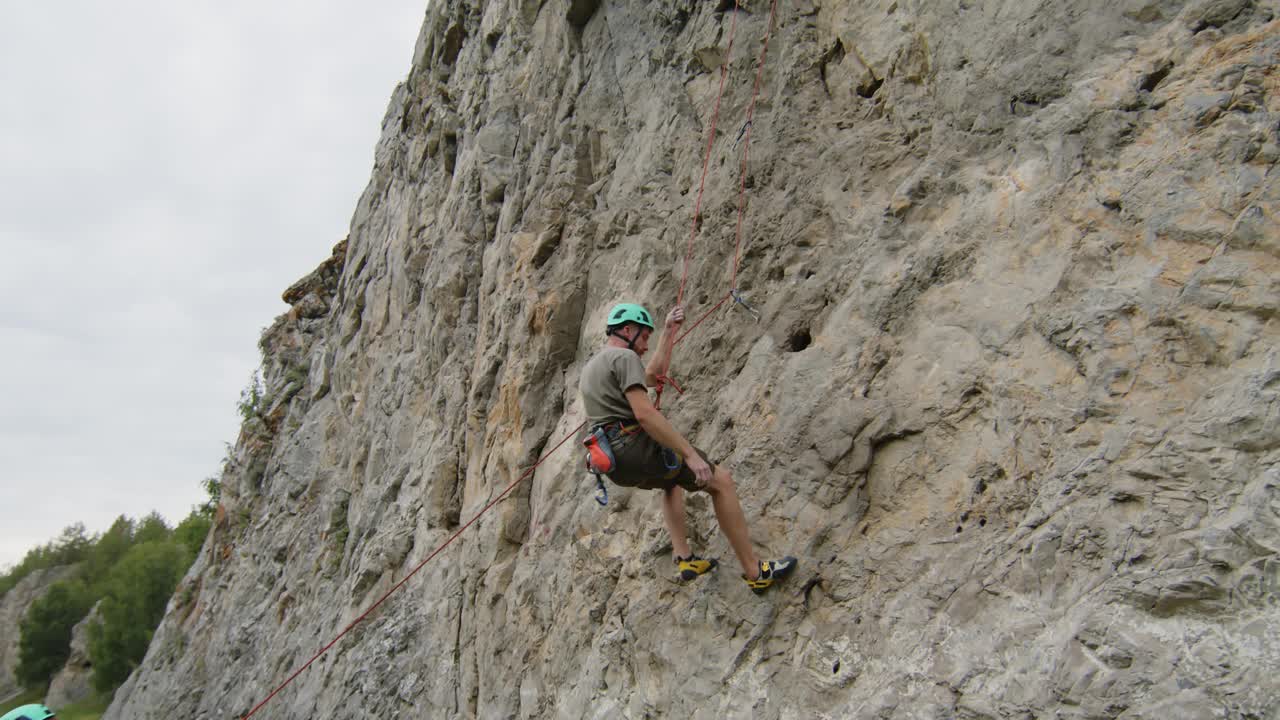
(13, 609)
(74, 683)
(1012, 398)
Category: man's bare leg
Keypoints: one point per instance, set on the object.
(733, 523)
(673, 514)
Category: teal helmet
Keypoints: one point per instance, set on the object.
(29, 712)
(624, 313)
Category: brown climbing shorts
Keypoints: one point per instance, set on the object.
(641, 461)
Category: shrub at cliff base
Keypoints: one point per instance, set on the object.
(45, 642)
(136, 595)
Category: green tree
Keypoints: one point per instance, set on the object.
(151, 528)
(107, 551)
(45, 640)
(192, 531)
(72, 546)
(137, 592)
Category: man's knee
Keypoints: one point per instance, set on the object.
(721, 481)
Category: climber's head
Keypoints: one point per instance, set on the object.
(30, 712)
(632, 325)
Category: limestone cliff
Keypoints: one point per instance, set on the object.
(1013, 398)
(13, 610)
(74, 682)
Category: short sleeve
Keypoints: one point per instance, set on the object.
(628, 371)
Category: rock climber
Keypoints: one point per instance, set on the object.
(648, 453)
(29, 712)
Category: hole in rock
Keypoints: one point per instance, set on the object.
(868, 89)
(1155, 77)
(450, 152)
(798, 340)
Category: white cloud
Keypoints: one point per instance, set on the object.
(166, 171)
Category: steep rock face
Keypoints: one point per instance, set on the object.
(1012, 398)
(13, 608)
(74, 682)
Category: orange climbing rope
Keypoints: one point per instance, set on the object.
(662, 380)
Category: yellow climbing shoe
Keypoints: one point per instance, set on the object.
(693, 566)
(771, 571)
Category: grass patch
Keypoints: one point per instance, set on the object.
(90, 709)
(26, 697)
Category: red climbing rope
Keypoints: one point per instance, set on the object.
(742, 184)
(706, 163)
(400, 584)
(746, 146)
(662, 380)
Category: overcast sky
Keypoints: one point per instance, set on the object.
(167, 169)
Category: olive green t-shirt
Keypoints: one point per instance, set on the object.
(604, 383)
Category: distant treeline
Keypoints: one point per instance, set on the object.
(132, 568)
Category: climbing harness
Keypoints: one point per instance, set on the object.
(745, 137)
(600, 460)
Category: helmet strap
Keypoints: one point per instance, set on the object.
(631, 341)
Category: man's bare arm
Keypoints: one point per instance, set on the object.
(654, 423)
(661, 360)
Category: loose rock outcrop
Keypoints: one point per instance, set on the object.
(13, 609)
(1013, 397)
(74, 683)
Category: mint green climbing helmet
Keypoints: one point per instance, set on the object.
(29, 712)
(628, 312)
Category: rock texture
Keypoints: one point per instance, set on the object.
(73, 683)
(1013, 399)
(13, 608)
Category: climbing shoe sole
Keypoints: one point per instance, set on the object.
(690, 568)
(772, 571)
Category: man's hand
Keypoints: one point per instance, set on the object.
(675, 318)
(701, 469)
